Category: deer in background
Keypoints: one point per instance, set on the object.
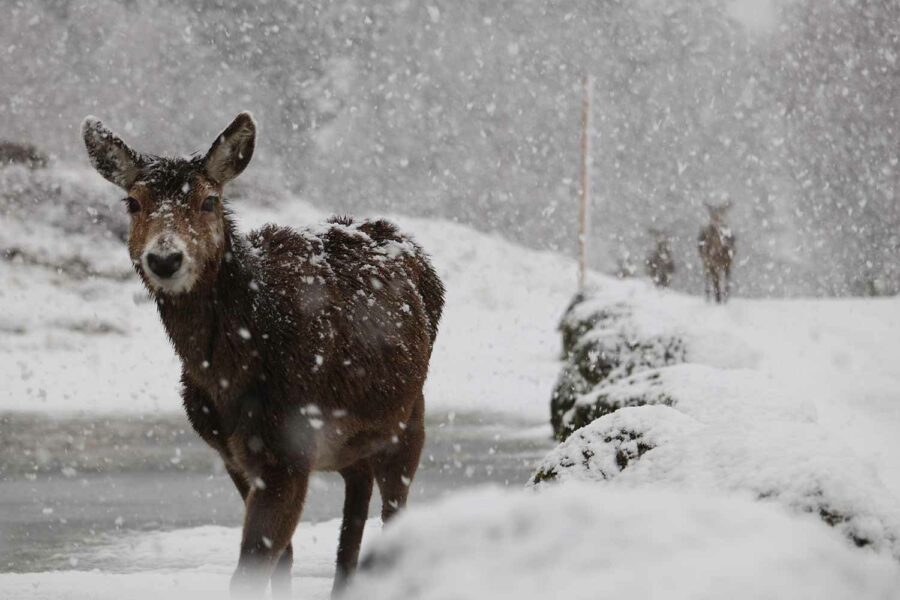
(660, 264)
(12, 153)
(716, 247)
(301, 350)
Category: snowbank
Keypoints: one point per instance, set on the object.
(701, 426)
(586, 542)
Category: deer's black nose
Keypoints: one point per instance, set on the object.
(164, 266)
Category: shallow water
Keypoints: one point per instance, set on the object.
(70, 484)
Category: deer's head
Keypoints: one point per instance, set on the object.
(717, 212)
(659, 235)
(178, 222)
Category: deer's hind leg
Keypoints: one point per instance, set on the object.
(727, 282)
(396, 466)
(358, 480)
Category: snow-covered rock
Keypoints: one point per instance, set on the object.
(585, 542)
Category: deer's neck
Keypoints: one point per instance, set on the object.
(211, 327)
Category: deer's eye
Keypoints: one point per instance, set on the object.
(133, 205)
(209, 203)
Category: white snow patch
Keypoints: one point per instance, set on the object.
(188, 564)
(585, 542)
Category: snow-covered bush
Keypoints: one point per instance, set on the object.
(727, 430)
(584, 542)
(603, 346)
(607, 446)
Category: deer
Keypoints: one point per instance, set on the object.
(301, 350)
(30, 156)
(716, 244)
(659, 263)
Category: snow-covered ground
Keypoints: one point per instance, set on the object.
(76, 344)
(186, 563)
(581, 541)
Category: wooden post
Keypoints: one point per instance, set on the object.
(584, 192)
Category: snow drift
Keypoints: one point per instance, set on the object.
(581, 541)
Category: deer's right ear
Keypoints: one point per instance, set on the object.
(112, 157)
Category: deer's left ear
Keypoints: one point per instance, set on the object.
(230, 154)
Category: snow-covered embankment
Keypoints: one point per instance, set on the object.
(689, 430)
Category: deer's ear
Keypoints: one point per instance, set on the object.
(230, 154)
(111, 156)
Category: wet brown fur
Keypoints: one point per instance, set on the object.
(301, 350)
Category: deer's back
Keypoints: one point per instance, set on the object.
(355, 313)
(345, 319)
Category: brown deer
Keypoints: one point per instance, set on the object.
(301, 350)
(716, 245)
(660, 264)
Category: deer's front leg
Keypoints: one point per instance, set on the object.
(203, 415)
(273, 508)
(281, 576)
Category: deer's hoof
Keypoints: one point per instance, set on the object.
(247, 584)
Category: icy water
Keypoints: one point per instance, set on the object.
(71, 484)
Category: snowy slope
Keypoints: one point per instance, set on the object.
(78, 344)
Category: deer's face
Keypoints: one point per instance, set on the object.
(177, 234)
(178, 231)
